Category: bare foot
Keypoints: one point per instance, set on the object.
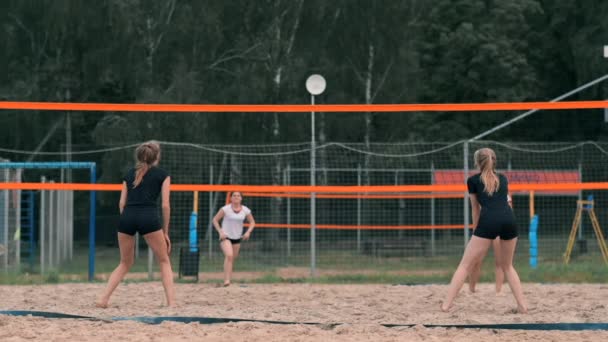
(226, 284)
(522, 309)
(445, 308)
(101, 304)
(471, 288)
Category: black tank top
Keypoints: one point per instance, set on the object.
(498, 200)
(147, 192)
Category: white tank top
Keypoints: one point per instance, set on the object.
(232, 224)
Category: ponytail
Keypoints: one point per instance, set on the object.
(485, 159)
(140, 171)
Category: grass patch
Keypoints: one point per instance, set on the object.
(334, 267)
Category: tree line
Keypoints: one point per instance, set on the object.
(261, 52)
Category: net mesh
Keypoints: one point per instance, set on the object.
(391, 231)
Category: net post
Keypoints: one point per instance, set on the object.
(466, 193)
(42, 223)
(136, 245)
(432, 212)
(71, 223)
(580, 193)
(150, 264)
(210, 225)
(17, 237)
(64, 230)
(6, 215)
(52, 206)
(287, 181)
(359, 210)
(57, 224)
(93, 200)
(313, 260)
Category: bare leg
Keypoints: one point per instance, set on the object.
(126, 244)
(498, 271)
(228, 260)
(236, 247)
(235, 251)
(507, 249)
(156, 241)
(473, 254)
(474, 276)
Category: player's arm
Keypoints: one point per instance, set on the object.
(251, 227)
(216, 224)
(165, 203)
(475, 209)
(510, 201)
(123, 197)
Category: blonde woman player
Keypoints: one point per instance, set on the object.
(499, 273)
(492, 218)
(141, 188)
(231, 231)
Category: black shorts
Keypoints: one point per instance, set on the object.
(495, 223)
(233, 241)
(139, 220)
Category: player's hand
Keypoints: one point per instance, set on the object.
(246, 236)
(223, 236)
(168, 242)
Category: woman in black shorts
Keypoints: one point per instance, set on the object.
(492, 218)
(139, 213)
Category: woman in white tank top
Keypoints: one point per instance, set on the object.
(233, 216)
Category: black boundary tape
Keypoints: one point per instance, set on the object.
(215, 320)
(43, 314)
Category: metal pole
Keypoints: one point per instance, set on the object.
(287, 181)
(150, 264)
(42, 223)
(313, 228)
(401, 206)
(5, 223)
(71, 223)
(64, 204)
(61, 220)
(51, 228)
(580, 198)
(359, 209)
(92, 227)
(137, 245)
(18, 223)
(57, 224)
(466, 194)
(432, 212)
(210, 226)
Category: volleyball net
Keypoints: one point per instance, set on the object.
(376, 206)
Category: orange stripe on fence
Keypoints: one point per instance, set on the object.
(445, 107)
(356, 227)
(345, 189)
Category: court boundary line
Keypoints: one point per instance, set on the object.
(218, 320)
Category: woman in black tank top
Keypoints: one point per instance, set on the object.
(492, 217)
(141, 188)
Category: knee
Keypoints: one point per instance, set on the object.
(163, 259)
(468, 266)
(498, 264)
(505, 266)
(127, 262)
(230, 257)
